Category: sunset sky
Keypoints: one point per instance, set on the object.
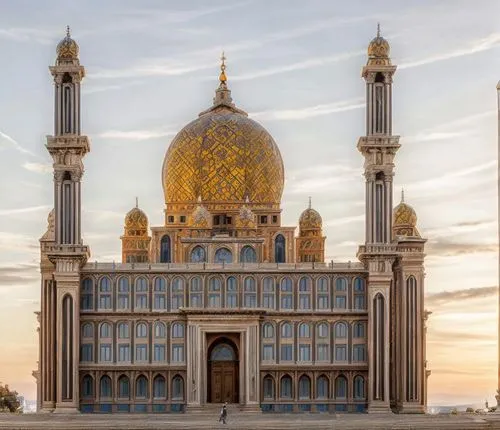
(295, 66)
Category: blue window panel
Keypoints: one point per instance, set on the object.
(177, 407)
(267, 408)
(87, 409)
(123, 408)
(322, 408)
(105, 407)
(140, 408)
(341, 408)
(160, 408)
(286, 408)
(360, 408)
(305, 408)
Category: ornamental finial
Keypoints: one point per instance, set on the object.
(137, 202)
(222, 76)
(378, 29)
(310, 202)
(68, 31)
(402, 195)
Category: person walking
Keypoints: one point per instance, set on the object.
(223, 413)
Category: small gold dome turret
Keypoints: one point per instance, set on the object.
(310, 243)
(136, 219)
(379, 50)
(67, 49)
(404, 219)
(310, 219)
(135, 240)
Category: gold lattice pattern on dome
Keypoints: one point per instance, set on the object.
(223, 156)
(405, 215)
(136, 219)
(379, 50)
(310, 219)
(67, 48)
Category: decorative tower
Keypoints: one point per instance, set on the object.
(135, 240)
(310, 244)
(378, 254)
(62, 251)
(409, 365)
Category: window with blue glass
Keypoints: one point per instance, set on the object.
(87, 295)
(141, 293)
(160, 292)
(268, 293)
(304, 387)
(141, 330)
(322, 294)
(105, 388)
(178, 388)
(359, 387)
(279, 249)
(105, 293)
(105, 352)
(250, 293)
(231, 292)
(223, 255)
(177, 293)
(341, 330)
(286, 353)
(340, 387)
(198, 255)
(123, 387)
(123, 330)
(359, 352)
(86, 352)
(304, 352)
(286, 294)
(214, 292)
(87, 389)
(123, 293)
(196, 293)
(177, 330)
(305, 293)
(141, 387)
(322, 387)
(286, 387)
(159, 352)
(341, 293)
(268, 386)
(178, 353)
(165, 254)
(358, 330)
(124, 352)
(141, 352)
(248, 255)
(159, 387)
(340, 352)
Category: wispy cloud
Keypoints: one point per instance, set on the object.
(93, 89)
(452, 249)
(24, 210)
(309, 111)
(8, 142)
(18, 274)
(484, 44)
(136, 134)
(37, 35)
(38, 167)
(459, 228)
(344, 220)
(445, 297)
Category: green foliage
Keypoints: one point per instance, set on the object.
(9, 401)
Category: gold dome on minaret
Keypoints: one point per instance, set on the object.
(223, 157)
(310, 219)
(67, 49)
(404, 219)
(379, 50)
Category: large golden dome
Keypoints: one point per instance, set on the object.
(223, 157)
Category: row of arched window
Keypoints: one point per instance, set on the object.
(341, 330)
(231, 292)
(322, 388)
(123, 330)
(140, 389)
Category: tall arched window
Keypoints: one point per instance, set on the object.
(87, 295)
(322, 294)
(196, 293)
(287, 342)
(250, 293)
(214, 292)
(198, 255)
(286, 330)
(286, 294)
(305, 293)
(105, 293)
(87, 330)
(268, 293)
(123, 330)
(359, 387)
(87, 389)
(341, 293)
(141, 387)
(304, 330)
(177, 294)
(248, 255)
(165, 254)
(123, 293)
(269, 341)
(268, 387)
(160, 294)
(105, 330)
(322, 387)
(141, 330)
(268, 331)
(141, 293)
(341, 330)
(231, 292)
(223, 255)
(340, 387)
(286, 387)
(322, 342)
(177, 330)
(279, 249)
(178, 388)
(105, 388)
(123, 387)
(304, 387)
(359, 294)
(159, 329)
(159, 390)
(341, 341)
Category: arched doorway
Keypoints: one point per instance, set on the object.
(222, 372)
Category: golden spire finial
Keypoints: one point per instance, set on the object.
(378, 29)
(310, 202)
(402, 195)
(68, 31)
(222, 76)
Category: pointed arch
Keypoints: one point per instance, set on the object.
(280, 249)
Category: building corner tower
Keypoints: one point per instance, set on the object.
(62, 250)
(378, 254)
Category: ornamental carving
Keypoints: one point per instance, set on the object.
(51, 228)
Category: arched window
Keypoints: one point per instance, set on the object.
(304, 387)
(340, 387)
(322, 342)
(198, 255)
(177, 330)
(165, 255)
(214, 292)
(178, 388)
(105, 388)
(141, 387)
(286, 387)
(159, 329)
(359, 387)
(223, 255)
(196, 293)
(123, 330)
(268, 293)
(159, 391)
(279, 249)
(160, 292)
(268, 343)
(123, 387)
(141, 330)
(341, 330)
(105, 293)
(359, 293)
(87, 330)
(341, 293)
(87, 295)
(305, 293)
(322, 387)
(268, 330)
(231, 292)
(250, 293)
(268, 387)
(322, 330)
(358, 330)
(248, 255)
(322, 294)
(123, 293)
(141, 293)
(177, 293)
(87, 389)
(286, 330)
(304, 330)
(286, 294)
(105, 330)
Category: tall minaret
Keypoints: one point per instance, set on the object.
(378, 147)
(62, 250)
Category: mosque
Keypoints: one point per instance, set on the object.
(223, 303)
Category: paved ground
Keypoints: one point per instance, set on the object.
(246, 421)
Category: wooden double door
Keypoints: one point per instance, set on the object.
(223, 381)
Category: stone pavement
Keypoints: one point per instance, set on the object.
(247, 421)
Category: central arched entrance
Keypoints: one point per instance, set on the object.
(222, 372)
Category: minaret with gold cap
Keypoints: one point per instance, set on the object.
(63, 256)
(378, 148)
(136, 238)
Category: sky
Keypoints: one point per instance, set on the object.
(294, 66)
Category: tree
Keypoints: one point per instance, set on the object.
(9, 401)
